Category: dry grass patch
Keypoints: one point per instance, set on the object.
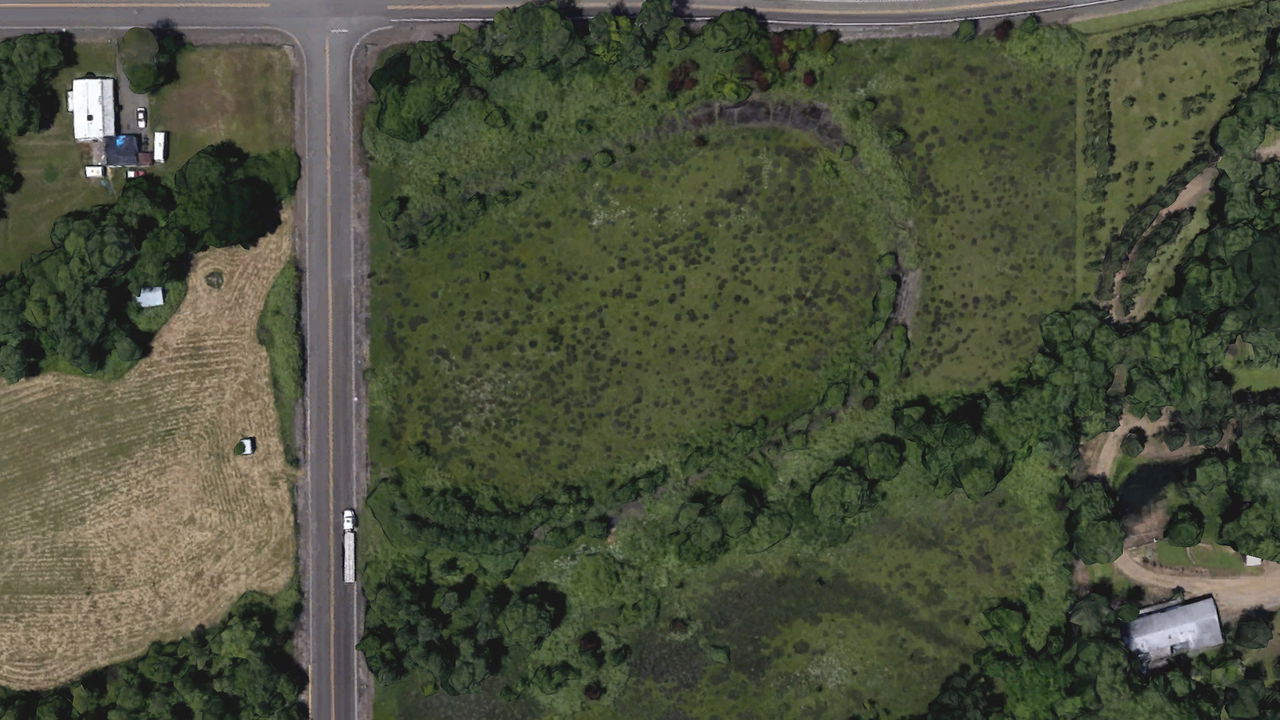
(128, 518)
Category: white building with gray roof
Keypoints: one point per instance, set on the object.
(1163, 631)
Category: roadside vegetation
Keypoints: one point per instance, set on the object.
(280, 332)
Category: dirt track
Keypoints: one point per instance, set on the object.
(1099, 453)
(128, 517)
(1234, 595)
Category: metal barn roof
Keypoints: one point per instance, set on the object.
(1160, 634)
(151, 297)
(93, 108)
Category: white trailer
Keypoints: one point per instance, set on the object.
(349, 556)
(160, 146)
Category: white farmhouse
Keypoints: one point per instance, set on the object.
(92, 102)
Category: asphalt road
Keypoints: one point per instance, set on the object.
(326, 33)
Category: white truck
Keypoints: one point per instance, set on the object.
(349, 546)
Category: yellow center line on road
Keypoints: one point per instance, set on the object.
(328, 516)
(131, 5)
(845, 10)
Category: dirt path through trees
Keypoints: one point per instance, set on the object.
(1099, 454)
(1197, 188)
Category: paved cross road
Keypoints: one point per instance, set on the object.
(325, 35)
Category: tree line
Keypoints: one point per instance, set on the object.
(241, 668)
(655, 52)
(72, 302)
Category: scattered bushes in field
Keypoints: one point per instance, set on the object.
(727, 496)
(73, 300)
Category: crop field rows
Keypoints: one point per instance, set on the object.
(134, 520)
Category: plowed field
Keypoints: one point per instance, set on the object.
(127, 518)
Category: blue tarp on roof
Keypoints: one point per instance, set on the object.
(121, 150)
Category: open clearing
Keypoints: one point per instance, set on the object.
(620, 310)
(242, 93)
(128, 517)
(1234, 593)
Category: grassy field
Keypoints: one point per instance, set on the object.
(1168, 11)
(1168, 99)
(52, 168)
(129, 519)
(242, 93)
(280, 332)
(993, 175)
(610, 312)
(1163, 99)
(617, 310)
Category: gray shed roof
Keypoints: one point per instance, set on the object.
(1160, 634)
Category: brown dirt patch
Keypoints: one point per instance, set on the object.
(128, 519)
(1234, 595)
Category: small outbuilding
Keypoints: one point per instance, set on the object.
(92, 104)
(160, 145)
(247, 446)
(1252, 561)
(1162, 631)
(151, 297)
(95, 171)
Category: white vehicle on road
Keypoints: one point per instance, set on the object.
(142, 118)
(348, 546)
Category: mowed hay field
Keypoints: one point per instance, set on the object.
(128, 518)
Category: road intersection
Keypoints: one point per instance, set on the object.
(326, 35)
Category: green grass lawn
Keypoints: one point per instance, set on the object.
(1216, 558)
(612, 312)
(993, 174)
(52, 168)
(242, 93)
